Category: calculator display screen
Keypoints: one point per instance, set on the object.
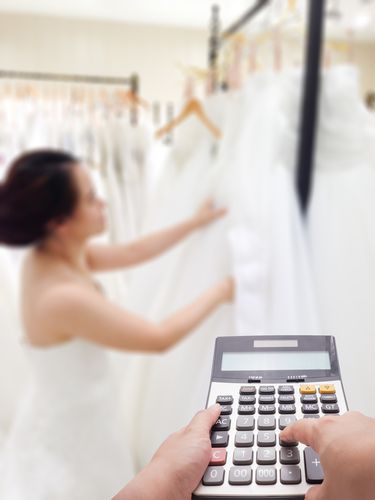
(272, 360)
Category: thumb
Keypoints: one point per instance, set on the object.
(303, 431)
(315, 493)
(205, 419)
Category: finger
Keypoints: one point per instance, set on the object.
(303, 431)
(208, 203)
(221, 211)
(204, 420)
(315, 493)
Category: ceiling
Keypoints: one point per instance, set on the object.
(187, 13)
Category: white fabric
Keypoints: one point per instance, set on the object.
(68, 440)
(342, 233)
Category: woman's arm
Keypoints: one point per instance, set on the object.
(111, 257)
(80, 312)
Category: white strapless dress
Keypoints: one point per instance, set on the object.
(68, 440)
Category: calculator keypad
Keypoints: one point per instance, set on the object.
(246, 447)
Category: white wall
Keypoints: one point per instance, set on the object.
(364, 56)
(34, 43)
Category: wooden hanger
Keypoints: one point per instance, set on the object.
(129, 98)
(192, 107)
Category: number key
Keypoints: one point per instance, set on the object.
(289, 456)
(240, 475)
(243, 456)
(214, 476)
(244, 440)
(286, 420)
(266, 475)
(266, 456)
(245, 423)
(266, 438)
(266, 423)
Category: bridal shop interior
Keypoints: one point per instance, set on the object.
(266, 108)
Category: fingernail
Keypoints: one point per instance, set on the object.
(216, 406)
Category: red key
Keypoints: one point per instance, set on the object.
(218, 456)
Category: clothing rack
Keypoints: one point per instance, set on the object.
(214, 46)
(133, 80)
(217, 37)
(310, 102)
(245, 18)
(311, 84)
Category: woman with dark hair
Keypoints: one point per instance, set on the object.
(69, 430)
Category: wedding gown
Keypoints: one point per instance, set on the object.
(68, 440)
(12, 356)
(341, 230)
(257, 242)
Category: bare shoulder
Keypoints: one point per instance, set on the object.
(69, 296)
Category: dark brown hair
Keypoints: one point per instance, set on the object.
(39, 189)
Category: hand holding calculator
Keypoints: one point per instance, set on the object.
(263, 384)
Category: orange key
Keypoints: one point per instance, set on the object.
(327, 389)
(307, 389)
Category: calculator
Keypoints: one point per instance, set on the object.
(263, 384)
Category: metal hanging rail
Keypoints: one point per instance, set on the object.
(133, 80)
(245, 18)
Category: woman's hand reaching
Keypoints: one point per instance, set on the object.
(208, 213)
